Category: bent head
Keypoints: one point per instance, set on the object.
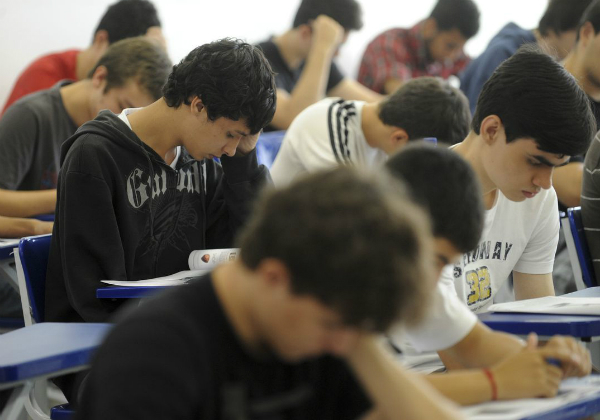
(559, 24)
(336, 253)
(449, 26)
(446, 186)
(227, 90)
(533, 102)
(130, 74)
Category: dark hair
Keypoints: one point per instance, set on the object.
(345, 12)
(428, 107)
(232, 78)
(352, 240)
(139, 58)
(128, 18)
(536, 98)
(443, 183)
(562, 15)
(460, 14)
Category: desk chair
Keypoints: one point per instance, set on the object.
(577, 248)
(268, 146)
(31, 258)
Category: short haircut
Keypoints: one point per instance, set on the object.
(443, 183)
(536, 98)
(428, 107)
(460, 14)
(128, 18)
(562, 15)
(232, 78)
(140, 59)
(353, 241)
(345, 12)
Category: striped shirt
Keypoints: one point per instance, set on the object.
(324, 135)
(590, 202)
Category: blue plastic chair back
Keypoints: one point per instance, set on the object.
(61, 412)
(583, 253)
(33, 252)
(268, 146)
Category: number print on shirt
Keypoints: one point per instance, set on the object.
(480, 285)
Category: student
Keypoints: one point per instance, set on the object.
(433, 47)
(335, 131)
(139, 191)
(456, 213)
(514, 146)
(302, 58)
(590, 203)
(131, 72)
(124, 19)
(286, 330)
(556, 33)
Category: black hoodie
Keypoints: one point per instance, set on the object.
(111, 224)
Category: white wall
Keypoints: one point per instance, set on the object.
(29, 28)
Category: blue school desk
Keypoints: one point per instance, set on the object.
(580, 326)
(42, 351)
(125, 292)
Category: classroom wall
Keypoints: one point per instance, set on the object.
(29, 28)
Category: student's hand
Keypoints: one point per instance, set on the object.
(528, 374)
(247, 144)
(581, 364)
(327, 33)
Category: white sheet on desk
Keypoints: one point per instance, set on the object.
(176, 279)
(4, 242)
(552, 305)
(571, 390)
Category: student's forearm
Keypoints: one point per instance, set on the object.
(310, 88)
(567, 182)
(464, 387)
(14, 227)
(27, 203)
(482, 347)
(395, 392)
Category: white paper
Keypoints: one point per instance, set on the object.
(177, 279)
(552, 305)
(571, 390)
(9, 242)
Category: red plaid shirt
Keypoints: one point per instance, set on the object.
(401, 54)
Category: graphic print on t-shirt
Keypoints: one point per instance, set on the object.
(337, 119)
(477, 275)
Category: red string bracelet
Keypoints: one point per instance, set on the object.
(490, 377)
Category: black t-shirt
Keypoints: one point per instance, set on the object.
(177, 357)
(286, 78)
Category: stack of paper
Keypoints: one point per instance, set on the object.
(552, 305)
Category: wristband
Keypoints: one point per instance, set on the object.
(488, 373)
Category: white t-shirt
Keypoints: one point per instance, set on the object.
(123, 116)
(519, 236)
(322, 136)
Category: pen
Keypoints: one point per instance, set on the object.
(554, 362)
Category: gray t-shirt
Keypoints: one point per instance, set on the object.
(31, 133)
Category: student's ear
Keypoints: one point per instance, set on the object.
(101, 39)
(398, 138)
(586, 34)
(430, 28)
(305, 31)
(99, 77)
(491, 129)
(274, 275)
(196, 105)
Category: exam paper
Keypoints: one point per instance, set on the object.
(177, 279)
(551, 305)
(571, 390)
